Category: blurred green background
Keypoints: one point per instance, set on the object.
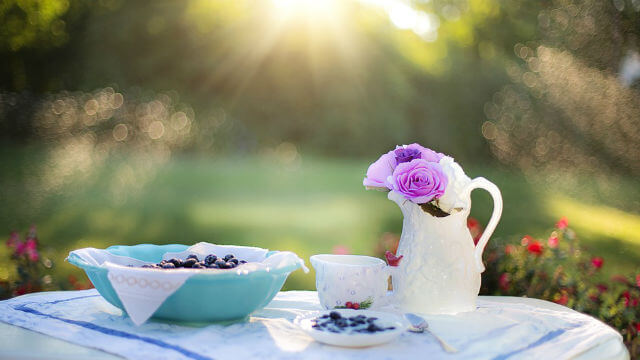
(254, 122)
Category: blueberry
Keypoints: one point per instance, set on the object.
(334, 315)
(210, 259)
(192, 256)
(228, 256)
(234, 260)
(371, 319)
(231, 264)
(224, 265)
(176, 262)
(212, 266)
(168, 266)
(189, 262)
(373, 328)
(220, 263)
(197, 266)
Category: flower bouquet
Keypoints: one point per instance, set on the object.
(425, 177)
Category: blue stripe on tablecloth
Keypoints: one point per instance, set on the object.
(69, 299)
(546, 337)
(108, 331)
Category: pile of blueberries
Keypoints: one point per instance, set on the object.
(336, 323)
(211, 261)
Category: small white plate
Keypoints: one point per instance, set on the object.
(358, 339)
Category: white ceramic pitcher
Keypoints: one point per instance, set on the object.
(440, 269)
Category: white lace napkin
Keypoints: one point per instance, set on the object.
(142, 291)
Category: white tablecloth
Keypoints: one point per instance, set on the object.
(500, 328)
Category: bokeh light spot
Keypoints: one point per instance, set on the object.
(120, 132)
(156, 130)
(91, 107)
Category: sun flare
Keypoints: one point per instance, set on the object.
(316, 9)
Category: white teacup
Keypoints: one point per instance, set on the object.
(355, 279)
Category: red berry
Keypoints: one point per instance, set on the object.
(392, 259)
(355, 306)
(348, 304)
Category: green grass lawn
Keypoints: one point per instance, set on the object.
(307, 208)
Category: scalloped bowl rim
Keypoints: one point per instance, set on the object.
(201, 274)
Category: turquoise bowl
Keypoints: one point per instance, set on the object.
(203, 297)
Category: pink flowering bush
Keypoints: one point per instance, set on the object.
(29, 266)
(558, 269)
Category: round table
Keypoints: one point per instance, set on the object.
(83, 317)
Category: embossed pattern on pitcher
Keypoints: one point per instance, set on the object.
(441, 267)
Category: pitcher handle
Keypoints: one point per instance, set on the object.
(482, 183)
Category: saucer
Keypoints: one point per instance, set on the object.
(354, 340)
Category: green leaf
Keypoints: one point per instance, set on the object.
(430, 208)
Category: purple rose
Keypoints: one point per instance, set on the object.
(380, 170)
(406, 154)
(419, 180)
(425, 153)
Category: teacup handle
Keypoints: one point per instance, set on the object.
(482, 183)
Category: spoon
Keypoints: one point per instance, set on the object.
(419, 325)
